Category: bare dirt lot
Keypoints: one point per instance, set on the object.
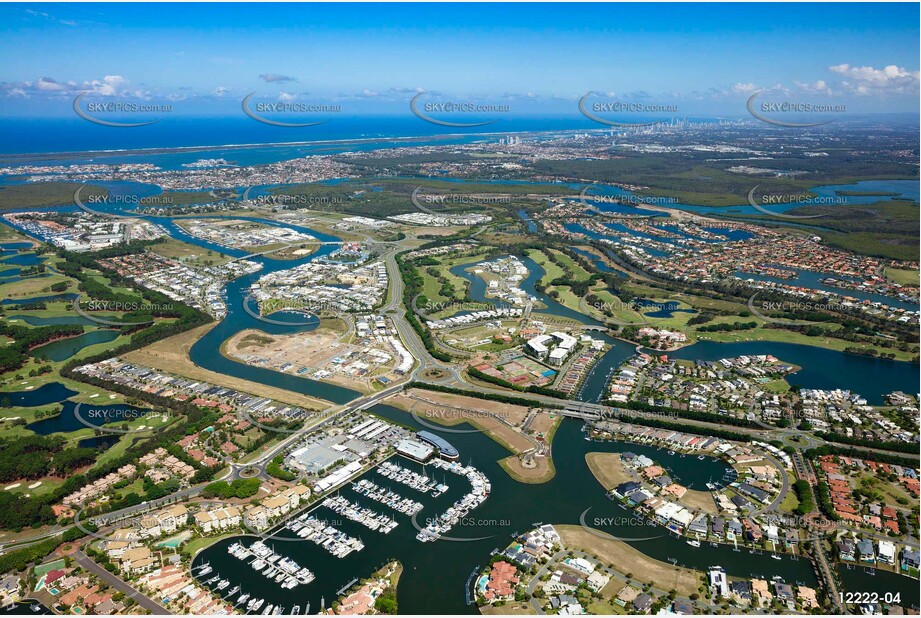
(625, 559)
(172, 355)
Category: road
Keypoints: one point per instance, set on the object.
(130, 592)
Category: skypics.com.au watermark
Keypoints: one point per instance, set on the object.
(105, 423)
(294, 112)
(781, 112)
(98, 112)
(438, 111)
(793, 200)
(628, 199)
(793, 308)
(612, 107)
(305, 313)
(127, 307)
(456, 306)
(613, 307)
(118, 201)
(421, 201)
(443, 418)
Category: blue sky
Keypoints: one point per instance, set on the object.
(540, 58)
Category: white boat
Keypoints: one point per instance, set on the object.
(694, 543)
(775, 556)
(296, 610)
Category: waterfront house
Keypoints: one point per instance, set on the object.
(807, 598)
(886, 552)
(865, 550)
(734, 527)
(698, 525)
(742, 591)
(719, 586)
(503, 577)
(717, 526)
(761, 593)
(626, 488)
(846, 550)
(911, 559)
(784, 592)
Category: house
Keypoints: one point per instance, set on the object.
(761, 593)
(865, 550)
(719, 586)
(886, 552)
(807, 598)
(742, 591)
(642, 603)
(698, 525)
(682, 608)
(503, 577)
(846, 550)
(9, 590)
(910, 559)
(717, 526)
(741, 502)
(626, 488)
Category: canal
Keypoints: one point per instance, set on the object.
(512, 507)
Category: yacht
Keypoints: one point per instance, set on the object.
(694, 543)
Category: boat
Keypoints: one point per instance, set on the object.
(243, 598)
(775, 556)
(693, 543)
(296, 610)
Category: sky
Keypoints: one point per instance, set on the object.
(534, 58)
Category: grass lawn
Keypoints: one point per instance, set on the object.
(787, 336)
(902, 277)
(552, 270)
(196, 545)
(778, 386)
(790, 501)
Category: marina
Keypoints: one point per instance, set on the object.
(384, 496)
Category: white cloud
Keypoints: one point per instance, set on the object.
(867, 80)
(746, 88)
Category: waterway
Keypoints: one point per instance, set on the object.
(821, 368)
(512, 507)
(63, 349)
